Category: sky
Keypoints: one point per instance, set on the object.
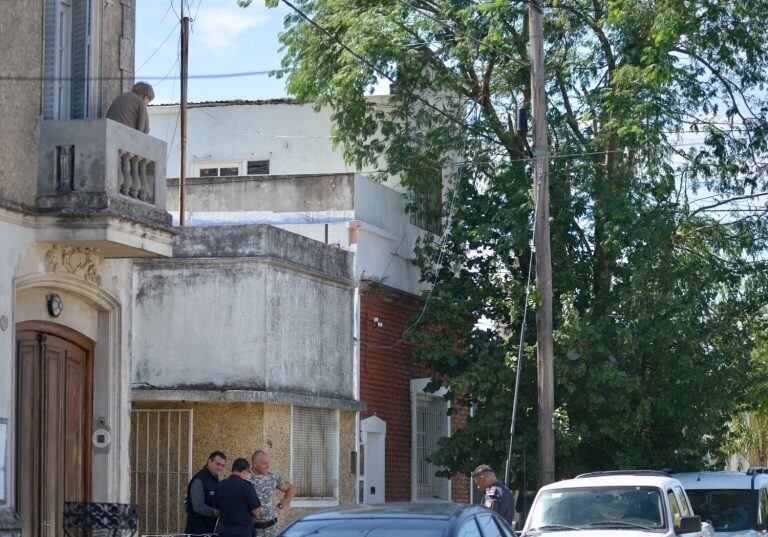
(224, 38)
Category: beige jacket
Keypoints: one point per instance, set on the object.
(130, 109)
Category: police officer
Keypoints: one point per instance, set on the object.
(201, 490)
(237, 502)
(497, 497)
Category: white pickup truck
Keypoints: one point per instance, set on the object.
(640, 503)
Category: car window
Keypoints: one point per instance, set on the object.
(470, 529)
(764, 506)
(615, 507)
(727, 509)
(488, 526)
(684, 507)
(674, 508)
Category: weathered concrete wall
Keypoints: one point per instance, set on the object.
(238, 429)
(266, 310)
(21, 26)
(284, 193)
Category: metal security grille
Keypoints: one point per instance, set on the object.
(431, 425)
(161, 467)
(314, 452)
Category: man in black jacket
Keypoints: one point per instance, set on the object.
(237, 502)
(201, 496)
(497, 496)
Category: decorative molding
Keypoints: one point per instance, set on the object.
(75, 260)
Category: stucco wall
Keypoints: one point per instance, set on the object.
(26, 278)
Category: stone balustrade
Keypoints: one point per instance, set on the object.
(137, 178)
(88, 166)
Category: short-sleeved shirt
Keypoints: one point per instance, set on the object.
(235, 498)
(498, 498)
(265, 486)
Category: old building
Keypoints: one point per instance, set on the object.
(273, 162)
(80, 196)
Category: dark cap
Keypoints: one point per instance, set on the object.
(483, 469)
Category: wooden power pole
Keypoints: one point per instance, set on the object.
(544, 343)
(183, 109)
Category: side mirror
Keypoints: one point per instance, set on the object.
(688, 524)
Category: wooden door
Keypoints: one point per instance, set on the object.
(54, 407)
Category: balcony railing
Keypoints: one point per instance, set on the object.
(101, 165)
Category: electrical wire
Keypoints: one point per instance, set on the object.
(381, 73)
(240, 74)
(173, 31)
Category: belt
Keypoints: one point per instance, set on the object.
(264, 524)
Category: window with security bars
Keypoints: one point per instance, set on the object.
(426, 208)
(315, 452)
(431, 425)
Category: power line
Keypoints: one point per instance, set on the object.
(381, 73)
(464, 34)
(148, 77)
(173, 31)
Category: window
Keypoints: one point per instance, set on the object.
(728, 509)
(66, 58)
(684, 508)
(426, 209)
(224, 171)
(674, 508)
(763, 519)
(599, 507)
(258, 167)
(315, 452)
(430, 423)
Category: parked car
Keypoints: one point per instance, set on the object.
(734, 502)
(639, 503)
(401, 520)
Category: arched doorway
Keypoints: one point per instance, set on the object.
(54, 410)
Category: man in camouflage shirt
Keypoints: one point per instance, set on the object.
(265, 483)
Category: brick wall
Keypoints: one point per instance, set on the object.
(385, 375)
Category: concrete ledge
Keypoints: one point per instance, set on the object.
(243, 396)
(10, 523)
(261, 240)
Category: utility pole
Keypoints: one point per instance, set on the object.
(544, 343)
(183, 109)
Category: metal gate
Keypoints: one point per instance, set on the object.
(161, 467)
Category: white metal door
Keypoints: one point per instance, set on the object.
(374, 433)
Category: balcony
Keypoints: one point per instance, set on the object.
(102, 185)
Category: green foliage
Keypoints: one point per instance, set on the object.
(659, 245)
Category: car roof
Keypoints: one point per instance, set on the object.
(431, 510)
(619, 480)
(721, 480)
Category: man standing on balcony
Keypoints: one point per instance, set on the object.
(201, 496)
(130, 108)
(265, 483)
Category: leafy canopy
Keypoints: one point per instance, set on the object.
(657, 124)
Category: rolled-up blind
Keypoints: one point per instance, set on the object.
(314, 452)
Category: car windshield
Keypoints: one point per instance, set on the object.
(726, 509)
(614, 508)
(369, 527)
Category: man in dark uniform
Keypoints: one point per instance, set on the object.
(497, 497)
(201, 490)
(237, 502)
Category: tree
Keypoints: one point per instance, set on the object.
(658, 122)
